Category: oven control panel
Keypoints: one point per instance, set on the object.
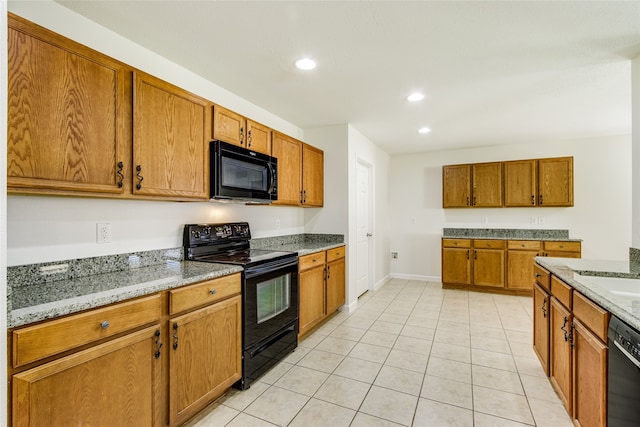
(202, 234)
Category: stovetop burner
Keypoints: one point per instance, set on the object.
(226, 243)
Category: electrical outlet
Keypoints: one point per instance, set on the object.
(103, 233)
(277, 224)
(394, 255)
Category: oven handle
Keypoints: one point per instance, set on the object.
(268, 344)
(270, 267)
(627, 354)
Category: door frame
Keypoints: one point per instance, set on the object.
(360, 161)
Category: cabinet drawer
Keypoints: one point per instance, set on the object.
(542, 277)
(562, 246)
(203, 293)
(312, 260)
(335, 253)
(562, 292)
(591, 315)
(456, 243)
(525, 245)
(489, 244)
(55, 336)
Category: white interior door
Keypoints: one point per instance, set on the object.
(363, 227)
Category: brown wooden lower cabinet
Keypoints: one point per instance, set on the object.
(497, 265)
(151, 361)
(541, 314)
(322, 285)
(205, 356)
(576, 339)
(111, 384)
(560, 355)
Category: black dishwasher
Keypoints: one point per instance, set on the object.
(623, 395)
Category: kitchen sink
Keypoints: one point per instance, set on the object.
(624, 287)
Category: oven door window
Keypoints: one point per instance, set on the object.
(273, 297)
(237, 173)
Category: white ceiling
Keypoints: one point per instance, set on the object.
(493, 72)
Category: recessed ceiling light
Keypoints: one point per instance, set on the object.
(306, 64)
(424, 130)
(415, 97)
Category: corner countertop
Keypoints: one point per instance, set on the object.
(614, 285)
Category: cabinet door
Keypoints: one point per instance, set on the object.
(312, 298)
(541, 313)
(228, 126)
(521, 183)
(589, 378)
(489, 267)
(456, 265)
(312, 176)
(560, 352)
(555, 186)
(258, 137)
(520, 269)
(205, 357)
(335, 285)
(112, 384)
(170, 140)
(456, 186)
(288, 151)
(487, 185)
(66, 114)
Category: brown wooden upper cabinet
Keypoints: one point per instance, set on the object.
(67, 114)
(473, 185)
(300, 172)
(539, 182)
(237, 130)
(524, 183)
(170, 140)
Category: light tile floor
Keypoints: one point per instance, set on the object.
(412, 354)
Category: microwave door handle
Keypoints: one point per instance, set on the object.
(272, 181)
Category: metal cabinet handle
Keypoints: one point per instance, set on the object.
(249, 139)
(475, 254)
(544, 307)
(467, 201)
(533, 199)
(467, 254)
(566, 336)
(475, 202)
(139, 176)
(540, 200)
(241, 135)
(175, 336)
(212, 291)
(538, 275)
(158, 344)
(328, 271)
(120, 166)
(105, 324)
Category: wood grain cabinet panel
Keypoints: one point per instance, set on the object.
(521, 183)
(229, 126)
(555, 181)
(456, 265)
(312, 298)
(258, 137)
(205, 356)
(336, 283)
(66, 116)
(589, 377)
(113, 384)
(487, 185)
(288, 151)
(560, 357)
(541, 309)
(170, 140)
(489, 267)
(312, 176)
(456, 186)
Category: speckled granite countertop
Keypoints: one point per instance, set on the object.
(302, 244)
(506, 234)
(45, 300)
(44, 291)
(614, 285)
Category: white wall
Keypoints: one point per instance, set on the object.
(3, 209)
(601, 215)
(635, 129)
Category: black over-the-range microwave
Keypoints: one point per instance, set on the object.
(239, 174)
